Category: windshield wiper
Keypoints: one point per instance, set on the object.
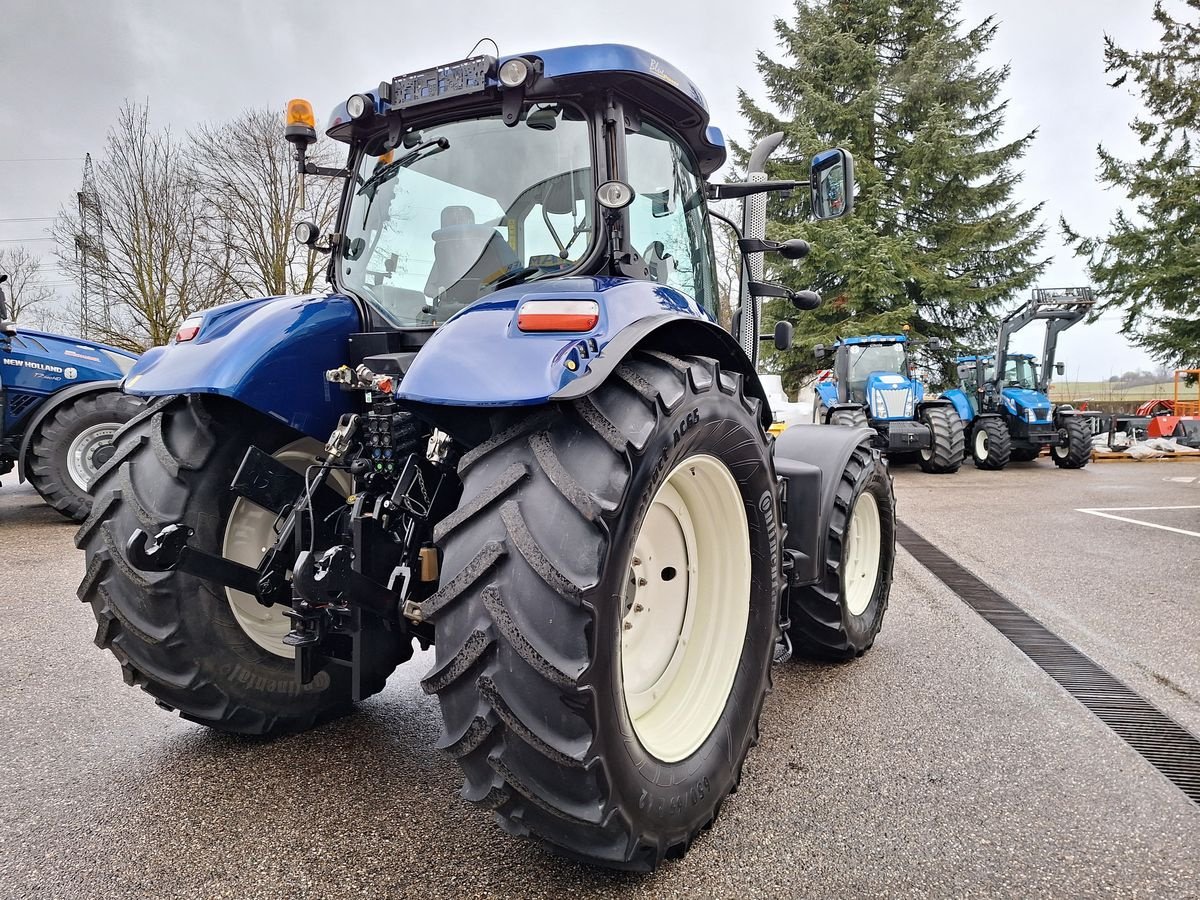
(388, 172)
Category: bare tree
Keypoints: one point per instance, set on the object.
(245, 172)
(729, 265)
(152, 215)
(27, 291)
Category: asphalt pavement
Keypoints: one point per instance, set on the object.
(942, 764)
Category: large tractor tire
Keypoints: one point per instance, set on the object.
(946, 441)
(214, 654)
(605, 630)
(991, 444)
(851, 418)
(839, 617)
(1078, 450)
(72, 445)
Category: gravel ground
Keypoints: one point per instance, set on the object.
(942, 764)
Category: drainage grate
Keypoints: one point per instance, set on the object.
(1164, 743)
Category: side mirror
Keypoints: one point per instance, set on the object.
(3, 299)
(803, 300)
(935, 343)
(795, 248)
(819, 351)
(784, 332)
(1060, 368)
(832, 182)
(965, 371)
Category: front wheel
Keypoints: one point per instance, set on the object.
(991, 444)
(1074, 449)
(606, 630)
(72, 445)
(945, 451)
(851, 418)
(839, 617)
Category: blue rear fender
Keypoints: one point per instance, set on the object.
(480, 358)
(269, 353)
(962, 405)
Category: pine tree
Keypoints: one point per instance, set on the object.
(1149, 264)
(936, 240)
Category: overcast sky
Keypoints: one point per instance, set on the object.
(66, 67)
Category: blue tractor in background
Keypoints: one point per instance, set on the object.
(512, 430)
(1003, 397)
(60, 404)
(872, 385)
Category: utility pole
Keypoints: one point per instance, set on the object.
(90, 254)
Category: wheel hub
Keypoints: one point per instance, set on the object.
(685, 608)
(90, 450)
(863, 546)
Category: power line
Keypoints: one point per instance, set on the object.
(29, 159)
(30, 219)
(24, 240)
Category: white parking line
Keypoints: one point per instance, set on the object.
(1107, 513)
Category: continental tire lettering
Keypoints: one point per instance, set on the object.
(277, 685)
(693, 419)
(766, 505)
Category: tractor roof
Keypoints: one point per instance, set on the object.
(655, 85)
(874, 339)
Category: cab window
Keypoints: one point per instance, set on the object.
(668, 221)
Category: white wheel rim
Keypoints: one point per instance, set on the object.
(927, 452)
(1059, 450)
(686, 608)
(82, 464)
(981, 444)
(863, 544)
(249, 533)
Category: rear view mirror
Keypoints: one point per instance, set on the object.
(819, 351)
(784, 331)
(966, 371)
(832, 182)
(1060, 368)
(935, 343)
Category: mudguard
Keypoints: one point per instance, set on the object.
(961, 404)
(479, 358)
(47, 409)
(810, 459)
(270, 353)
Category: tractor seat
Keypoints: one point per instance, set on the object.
(465, 255)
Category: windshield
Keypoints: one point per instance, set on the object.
(462, 209)
(1019, 372)
(874, 358)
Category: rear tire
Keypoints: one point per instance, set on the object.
(1078, 451)
(546, 688)
(71, 446)
(991, 444)
(839, 617)
(177, 636)
(946, 441)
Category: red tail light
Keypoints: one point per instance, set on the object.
(187, 331)
(558, 315)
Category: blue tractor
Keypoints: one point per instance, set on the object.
(872, 385)
(60, 404)
(1003, 397)
(512, 430)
